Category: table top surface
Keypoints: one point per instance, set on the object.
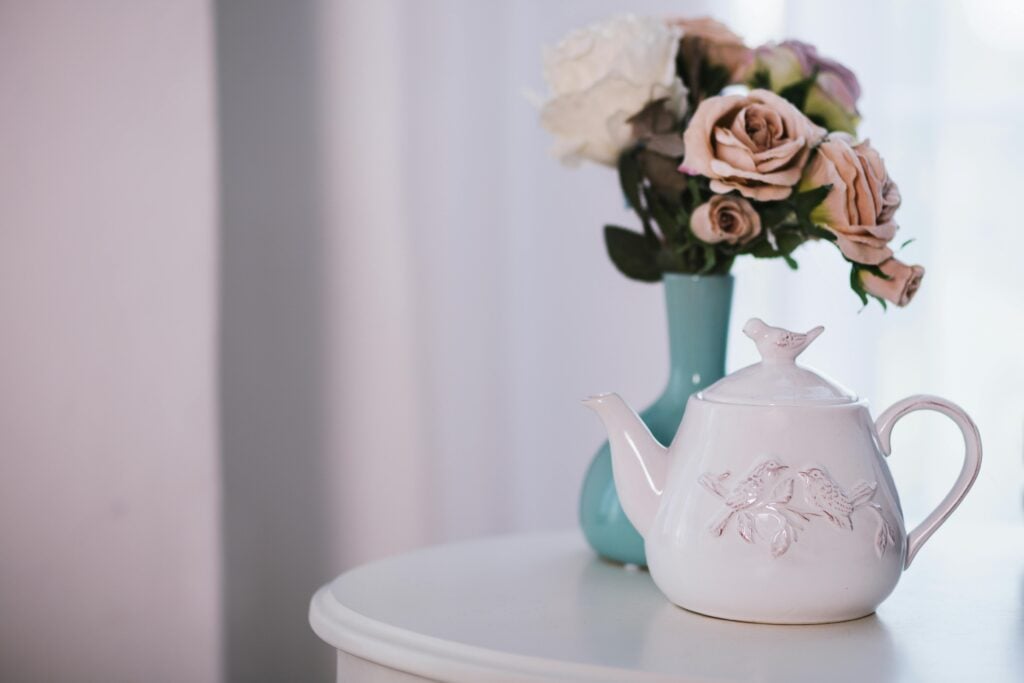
(544, 608)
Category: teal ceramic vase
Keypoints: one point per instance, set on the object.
(698, 326)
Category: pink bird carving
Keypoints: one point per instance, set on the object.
(831, 500)
(757, 488)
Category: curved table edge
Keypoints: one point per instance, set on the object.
(414, 653)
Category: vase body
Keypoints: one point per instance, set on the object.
(698, 325)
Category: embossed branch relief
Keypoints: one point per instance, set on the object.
(763, 507)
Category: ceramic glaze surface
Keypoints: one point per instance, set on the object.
(774, 503)
(777, 545)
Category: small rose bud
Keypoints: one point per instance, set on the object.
(726, 218)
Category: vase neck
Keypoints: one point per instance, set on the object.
(698, 324)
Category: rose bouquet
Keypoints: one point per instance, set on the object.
(724, 151)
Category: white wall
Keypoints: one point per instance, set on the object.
(108, 430)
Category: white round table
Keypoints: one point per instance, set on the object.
(543, 608)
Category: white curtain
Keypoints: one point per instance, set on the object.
(476, 304)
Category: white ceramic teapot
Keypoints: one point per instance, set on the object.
(774, 502)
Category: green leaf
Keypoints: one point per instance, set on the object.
(761, 78)
(682, 219)
(631, 181)
(762, 249)
(695, 196)
(671, 260)
(910, 241)
(710, 259)
(796, 93)
(662, 216)
(857, 286)
(632, 254)
(805, 202)
(773, 213)
(713, 78)
(815, 231)
(819, 120)
(874, 270)
(787, 242)
(725, 262)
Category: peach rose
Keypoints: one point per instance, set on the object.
(725, 218)
(715, 42)
(756, 143)
(859, 209)
(900, 288)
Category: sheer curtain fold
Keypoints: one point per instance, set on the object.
(479, 304)
(461, 298)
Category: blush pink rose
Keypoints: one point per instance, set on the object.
(902, 285)
(715, 42)
(725, 218)
(756, 143)
(860, 207)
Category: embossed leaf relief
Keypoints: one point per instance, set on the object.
(763, 507)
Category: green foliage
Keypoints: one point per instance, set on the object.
(631, 254)
(713, 78)
(786, 224)
(665, 205)
(822, 233)
(779, 243)
(774, 214)
(666, 244)
(797, 92)
(693, 186)
(805, 202)
(630, 180)
(760, 79)
(664, 217)
(857, 284)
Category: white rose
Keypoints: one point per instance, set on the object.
(601, 76)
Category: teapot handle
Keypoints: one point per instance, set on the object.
(968, 473)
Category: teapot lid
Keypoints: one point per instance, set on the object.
(777, 379)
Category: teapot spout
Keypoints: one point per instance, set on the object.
(639, 462)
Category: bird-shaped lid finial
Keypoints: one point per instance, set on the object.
(776, 344)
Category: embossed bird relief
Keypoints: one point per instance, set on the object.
(764, 498)
(837, 505)
(764, 491)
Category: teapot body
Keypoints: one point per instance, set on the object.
(774, 502)
(777, 514)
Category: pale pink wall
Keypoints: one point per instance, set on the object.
(108, 488)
